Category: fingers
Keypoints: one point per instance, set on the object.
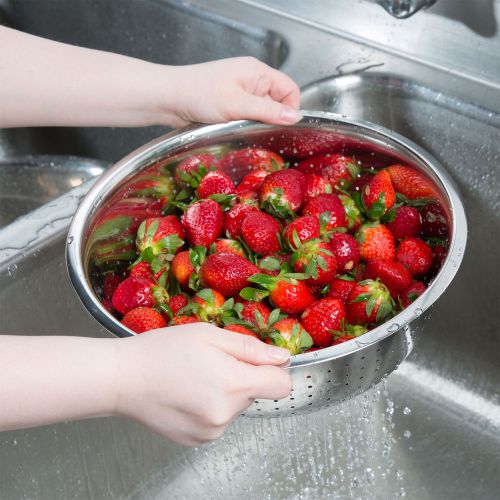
(266, 110)
(250, 350)
(266, 382)
(283, 89)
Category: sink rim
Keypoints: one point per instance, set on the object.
(176, 141)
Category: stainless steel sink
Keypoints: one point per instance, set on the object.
(432, 431)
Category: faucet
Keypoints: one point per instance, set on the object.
(404, 8)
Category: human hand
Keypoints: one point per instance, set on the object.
(225, 90)
(189, 382)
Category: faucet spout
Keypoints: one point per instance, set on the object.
(404, 8)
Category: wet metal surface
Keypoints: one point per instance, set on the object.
(435, 432)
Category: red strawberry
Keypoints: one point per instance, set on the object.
(391, 273)
(375, 242)
(202, 222)
(142, 319)
(416, 255)
(144, 270)
(353, 214)
(183, 320)
(208, 305)
(322, 318)
(138, 292)
(110, 283)
(346, 251)
(378, 195)
(434, 221)
(412, 293)
(369, 302)
(182, 268)
(341, 287)
(193, 168)
(439, 253)
(256, 313)
(226, 273)
(286, 291)
(411, 183)
(252, 182)
(215, 183)
(360, 182)
(406, 222)
(307, 228)
(160, 235)
(225, 245)
(339, 170)
(315, 258)
(233, 218)
(241, 329)
(331, 206)
(290, 334)
(239, 163)
(260, 232)
(177, 302)
(250, 197)
(316, 185)
(282, 193)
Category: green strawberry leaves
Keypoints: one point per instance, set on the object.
(254, 294)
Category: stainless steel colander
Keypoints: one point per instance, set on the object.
(323, 377)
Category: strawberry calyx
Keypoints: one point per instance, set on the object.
(277, 205)
(348, 330)
(311, 255)
(209, 306)
(290, 334)
(269, 283)
(197, 256)
(375, 294)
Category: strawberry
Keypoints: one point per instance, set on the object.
(434, 221)
(329, 210)
(316, 185)
(177, 302)
(183, 320)
(202, 222)
(160, 235)
(411, 183)
(360, 182)
(412, 293)
(255, 313)
(239, 163)
(348, 332)
(282, 193)
(225, 245)
(250, 197)
(260, 232)
(138, 292)
(110, 283)
(322, 318)
(233, 218)
(193, 168)
(353, 215)
(144, 270)
(405, 221)
(215, 183)
(209, 305)
(287, 291)
(142, 319)
(369, 302)
(182, 268)
(226, 273)
(341, 287)
(378, 195)
(241, 329)
(306, 228)
(290, 334)
(439, 253)
(416, 255)
(391, 273)
(346, 251)
(339, 170)
(252, 182)
(315, 258)
(375, 242)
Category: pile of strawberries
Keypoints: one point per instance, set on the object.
(302, 256)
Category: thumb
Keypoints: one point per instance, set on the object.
(249, 349)
(267, 110)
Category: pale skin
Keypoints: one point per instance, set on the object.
(187, 382)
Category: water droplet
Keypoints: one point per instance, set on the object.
(406, 410)
(70, 240)
(407, 434)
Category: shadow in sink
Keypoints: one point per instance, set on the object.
(161, 31)
(464, 138)
(28, 182)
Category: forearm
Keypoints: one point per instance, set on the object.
(50, 83)
(49, 379)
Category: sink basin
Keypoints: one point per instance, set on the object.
(165, 32)
(432, 431)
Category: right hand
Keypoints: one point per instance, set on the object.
(189, 382)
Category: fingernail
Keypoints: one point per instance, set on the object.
(278, 353)
(290, 115)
